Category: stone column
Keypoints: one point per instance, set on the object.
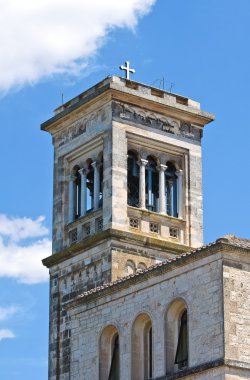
(71, 198)
(142, 187)
(179, 174)
(96, 185)
(162, 186)
(83, 174)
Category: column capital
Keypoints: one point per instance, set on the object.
(142, 162)
(96, 164)
(179, 172)
(162, 168)
(82, 171)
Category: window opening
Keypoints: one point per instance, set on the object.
(90, 188)
(101, 183)
(152, 185)
(171, 190)
(181, 357)
(114, 367)
(133, 180)
(77, 194)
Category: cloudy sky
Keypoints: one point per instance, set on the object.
(50, 49)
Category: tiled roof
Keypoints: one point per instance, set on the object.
(228, 240)
(235, 241)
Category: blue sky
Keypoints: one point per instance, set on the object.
(200, 46)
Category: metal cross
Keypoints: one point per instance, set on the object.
(127, 69)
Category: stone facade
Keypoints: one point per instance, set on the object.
(120, 273)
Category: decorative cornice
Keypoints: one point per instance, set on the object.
(91, 241)
(137, 116)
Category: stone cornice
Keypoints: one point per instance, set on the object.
(100, 237)
(136, 94)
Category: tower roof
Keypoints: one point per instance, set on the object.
(135, 93)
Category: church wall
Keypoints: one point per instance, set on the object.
(199, 285)
(237, 312)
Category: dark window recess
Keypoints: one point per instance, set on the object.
(114, 367)
(133, 180)
(181, 357)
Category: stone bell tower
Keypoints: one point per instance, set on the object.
(127, 190)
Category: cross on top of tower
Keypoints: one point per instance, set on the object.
(127, 69)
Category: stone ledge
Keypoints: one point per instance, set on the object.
(98, 238)
(205, 367)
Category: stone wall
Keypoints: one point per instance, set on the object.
(199, 286)
(237, 313)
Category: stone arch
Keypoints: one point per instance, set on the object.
(142, 347)
(173, 317)
(141, 266)
(129, 268)
(109, 354)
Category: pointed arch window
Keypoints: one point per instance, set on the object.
(133, 180)
(152, 185)
(171, 190)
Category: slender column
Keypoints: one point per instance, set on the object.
(71, 198)
(83, 174)
(142, 188)
(96, 185)
(179, 174)
(162, 186)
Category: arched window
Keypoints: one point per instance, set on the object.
(130, 268)
(109, 363)
(90, 187)
(171, 190)
(142, 348)
(77, 193)
(152, 185)
(176, 337)
(133, 180)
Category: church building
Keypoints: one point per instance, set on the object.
(134, 294)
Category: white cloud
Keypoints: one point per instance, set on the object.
(6, 334)
(47, 37)
(7, 312)
(21, 251)
(22, 228)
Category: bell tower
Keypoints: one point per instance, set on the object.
(127, 187)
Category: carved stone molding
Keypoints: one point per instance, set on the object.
(135, 115)
(82, 125)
